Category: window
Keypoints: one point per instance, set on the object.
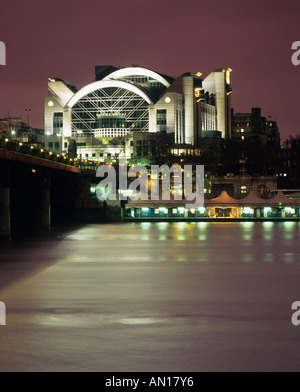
(161, 120)
(50, 145)
(94, 155)
(66, 145)
(111, 121)
(56, 145)
(243, 189)
(57, 123)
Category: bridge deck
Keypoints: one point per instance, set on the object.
(35, 161)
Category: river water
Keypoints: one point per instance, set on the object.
(153, 297)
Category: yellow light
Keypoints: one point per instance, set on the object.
(167, 100)
(50, 104)
(198, 92)
(6, 140)
(42, 150)
(20, 144)
(228, 71)
(33, 171)
(58, 155)
(31, 147)
(50, 153)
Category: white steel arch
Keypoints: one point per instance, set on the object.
(107, 84)
(132, 71)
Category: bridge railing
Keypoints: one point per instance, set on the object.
(28, 149)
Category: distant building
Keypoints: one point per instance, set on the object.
(253, 126)
(242, 184)
(289, 164)
(124, 100)
(16, 129)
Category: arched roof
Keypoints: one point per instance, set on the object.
(107, 84)
(133, 71)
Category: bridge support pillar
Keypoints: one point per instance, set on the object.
(5, 222)
(43, 209)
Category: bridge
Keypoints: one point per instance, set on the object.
(37, 186)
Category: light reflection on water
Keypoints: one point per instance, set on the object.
(139, 296)
(246, 242)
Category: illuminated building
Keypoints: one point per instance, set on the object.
(280, 207)
(134, 99)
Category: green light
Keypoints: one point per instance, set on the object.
(93, 189)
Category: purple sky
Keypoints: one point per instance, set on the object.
(67, 39)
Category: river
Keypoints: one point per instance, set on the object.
(152, 297)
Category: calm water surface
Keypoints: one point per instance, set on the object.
(153, 297)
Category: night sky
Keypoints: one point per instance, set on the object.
(67, 39)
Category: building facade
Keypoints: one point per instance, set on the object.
(134, 99)
(254, 127)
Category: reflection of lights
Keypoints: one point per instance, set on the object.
(163, 225)
(268, 258)
(139, 321)
(247, 224)
(247, 258)
(268, 224)
(289, 257)
(146, 225)
(203, 224)
(289, 225)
